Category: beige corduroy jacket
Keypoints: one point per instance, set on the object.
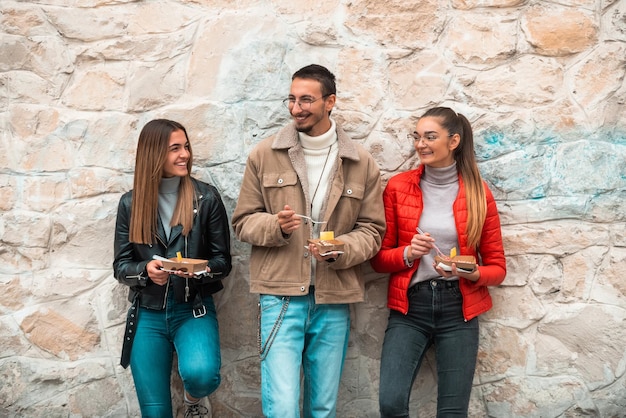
(275, 176)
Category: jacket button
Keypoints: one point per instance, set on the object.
(302, 289)
(280, 181)
(349, 191)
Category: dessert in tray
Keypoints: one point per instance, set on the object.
(190, 265)
(327, 243)
(464, 263)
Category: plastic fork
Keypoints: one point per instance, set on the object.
(309, 219)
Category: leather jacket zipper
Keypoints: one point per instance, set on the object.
(167, 285)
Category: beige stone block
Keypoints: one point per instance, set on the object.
(15, 293)
(536, 396)
(90, 23)
(43, 193)
(212, 131)
(52, 332)
(597, 77)
(31, 122)
(24, 20)
(419, 81)
(473, 4)
(577, 29)
(579, 272)
(482, 38)
(396, 23)
(593, 334)
(515, 307)
(93, 181)
(505, 86)
(151, 86)
(28, 87)
(98, 88)
(304, 10)
(502, 351)
(20, 259)
(8, 191)
(613, 18)
(110, 142)
(82, 233)
(354, 66)
(29, 229)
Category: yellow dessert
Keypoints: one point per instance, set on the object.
(327, 235)
(179, 257)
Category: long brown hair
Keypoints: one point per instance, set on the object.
(467, 168)
(152, 150)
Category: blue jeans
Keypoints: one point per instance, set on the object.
(434, 317)
(196, 341)
(311, 339)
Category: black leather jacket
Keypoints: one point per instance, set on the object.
(209, 239)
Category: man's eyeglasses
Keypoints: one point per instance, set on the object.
(304, 102)
(429, 137)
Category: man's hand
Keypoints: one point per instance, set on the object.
(288, 220)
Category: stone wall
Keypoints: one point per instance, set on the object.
(541, 81)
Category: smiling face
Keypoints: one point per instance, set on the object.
(435, 145)
(315, 120)
(178, 153)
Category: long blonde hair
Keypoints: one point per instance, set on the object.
(467, 168)
(152, 150)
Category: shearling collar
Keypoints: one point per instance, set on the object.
(287, 138)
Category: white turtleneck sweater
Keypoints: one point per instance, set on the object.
(320, 154)
(440, 187)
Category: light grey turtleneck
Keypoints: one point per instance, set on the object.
(168, 196)
(440, 187)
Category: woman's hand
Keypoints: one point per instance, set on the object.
(421, 244)
(155, 272)
(473, 276)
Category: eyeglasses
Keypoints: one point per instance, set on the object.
(304, 102)
(430, 137)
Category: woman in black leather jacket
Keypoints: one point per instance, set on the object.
(169, 212)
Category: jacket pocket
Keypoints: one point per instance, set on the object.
(280, 189)
(348, 208)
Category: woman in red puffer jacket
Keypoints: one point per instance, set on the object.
(446, 197)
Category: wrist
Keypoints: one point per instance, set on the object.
(407, 262)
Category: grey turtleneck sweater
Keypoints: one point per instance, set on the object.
(168, 196)
(440, 187)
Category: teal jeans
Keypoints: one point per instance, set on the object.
(196, 342)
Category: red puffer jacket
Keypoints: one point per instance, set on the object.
(403, 208)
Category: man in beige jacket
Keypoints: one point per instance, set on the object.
(308, 178)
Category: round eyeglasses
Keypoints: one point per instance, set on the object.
(304, 102)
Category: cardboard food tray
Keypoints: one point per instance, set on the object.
(466, 263)
(191, 265)
(327, 245)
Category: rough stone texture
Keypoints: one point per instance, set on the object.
(541, 81)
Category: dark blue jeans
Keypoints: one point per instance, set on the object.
(196, 341)
(434, 318)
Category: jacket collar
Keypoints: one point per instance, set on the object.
(287, 138)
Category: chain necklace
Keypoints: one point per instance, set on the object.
(321, 175)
